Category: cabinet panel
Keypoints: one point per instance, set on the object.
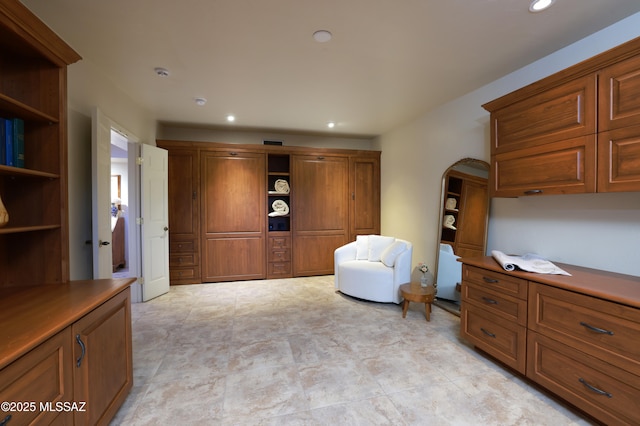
(103, 372)
(619, 95)
(619, 160)
(566, 167)
(504, 340)
(560, 113)
(313, 254)
(233, 258)
(599, 388)
(43, 375)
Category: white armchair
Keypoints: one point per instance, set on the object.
(373, 267)
(449, 273)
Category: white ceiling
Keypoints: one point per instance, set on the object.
(389, 60)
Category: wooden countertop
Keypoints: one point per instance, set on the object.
(620, 288)
(30, 315)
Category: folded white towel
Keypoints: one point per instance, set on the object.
(528, 262)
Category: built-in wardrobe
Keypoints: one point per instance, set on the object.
(240, 212)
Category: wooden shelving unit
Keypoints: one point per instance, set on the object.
(34, 244)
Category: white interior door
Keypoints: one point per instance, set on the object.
(101, 194)
(154, 193)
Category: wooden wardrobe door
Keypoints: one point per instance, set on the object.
(364, 211)
(184, 216)
(233, 215)
(320, 211)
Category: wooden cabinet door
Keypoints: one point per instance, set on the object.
(619, 103)
(566, 167)
(43, 376)
(472, 227)
(184, 215)
(233, 215)
(563, 112)
(103, 372)
(619, 160)
(183, 194)
(319, 212)
(364, 207)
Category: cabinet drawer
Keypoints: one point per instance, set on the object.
(182, 246)
(43, 375)
(602, 390)
(495, 281)
(283, 255)
(183, 259)
(182, 273)
(504, 340)
(279, 269)
(567, 167)
(601, 328)
(279, 243)
(507, 307)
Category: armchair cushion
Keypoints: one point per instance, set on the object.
(362, 247)
(390, 253)
(377, 245)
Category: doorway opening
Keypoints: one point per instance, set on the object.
(121, 204)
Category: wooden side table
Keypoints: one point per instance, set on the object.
(413, 292)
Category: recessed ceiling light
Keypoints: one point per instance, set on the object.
(231, 118)
(331, 124)
(540, 5)
(200, 101)
(322, 36)
(162, 72)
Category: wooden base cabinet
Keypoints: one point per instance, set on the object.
(580, 335)
(66, 353)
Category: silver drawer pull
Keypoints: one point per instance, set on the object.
(596, 329)
(533, 191)
(488, 333)
(489, 280)
(594, 389)
(489, 301)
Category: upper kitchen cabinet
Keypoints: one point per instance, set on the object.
(575, 131)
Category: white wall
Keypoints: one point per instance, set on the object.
(595, 230)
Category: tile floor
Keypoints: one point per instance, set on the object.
(295, 352)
